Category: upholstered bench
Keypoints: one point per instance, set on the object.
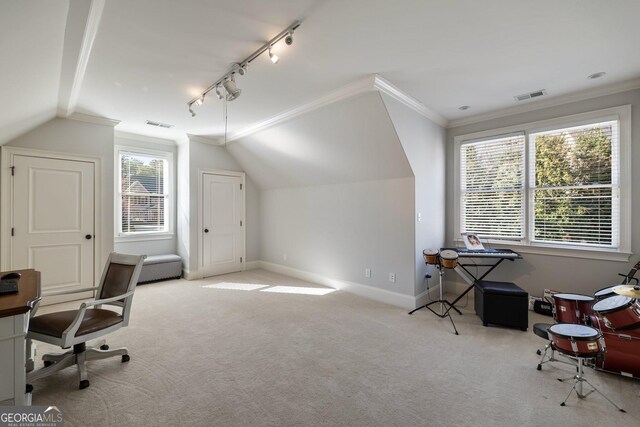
(502, 303)
(160, 267)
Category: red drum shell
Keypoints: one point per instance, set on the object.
(572, 308)
(577, 340)
(623, 350)
(618, 312)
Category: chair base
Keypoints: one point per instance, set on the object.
(79, 355)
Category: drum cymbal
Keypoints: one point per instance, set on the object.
(627, 290)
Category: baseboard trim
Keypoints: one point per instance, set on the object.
(382, 295)
(251, 265)
(192, 275)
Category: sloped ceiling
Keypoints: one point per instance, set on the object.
(145, 59)
(349, 141)
(31, 42)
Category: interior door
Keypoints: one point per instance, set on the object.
(222, 224)
(53, 221)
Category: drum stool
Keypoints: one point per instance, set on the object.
(502, 303)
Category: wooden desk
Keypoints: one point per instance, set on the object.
(14, 322)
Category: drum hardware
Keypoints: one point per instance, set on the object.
(581, 344)
(435, 257)
(631, 291)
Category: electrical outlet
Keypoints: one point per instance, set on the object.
(419, 217)
(284, 257)
(367, 273)
(392, 277)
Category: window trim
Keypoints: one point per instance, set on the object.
(621, 113)
(119, 235)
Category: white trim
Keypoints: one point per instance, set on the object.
(549, 102)
(192, 275)
(252, 265)
(91, 119)
(387, 88)
(6, 199)
(143, 138)
(389, 297)
(623, 113)
(143, 237)
(220, 172)
(205, 140)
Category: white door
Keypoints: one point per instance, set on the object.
(222, 224)
(53, 221)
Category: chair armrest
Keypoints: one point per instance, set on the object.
(107, 300)
(68, 292)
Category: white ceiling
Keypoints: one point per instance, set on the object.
(149, 57)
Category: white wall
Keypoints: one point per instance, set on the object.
(138, 244)
(81, 139)
(336, 231)
(424, 144)
(536, 272)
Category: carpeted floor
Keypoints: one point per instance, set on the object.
(227, 356)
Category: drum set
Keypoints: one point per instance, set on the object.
(602, 332)
(442, 260)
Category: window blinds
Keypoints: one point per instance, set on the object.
(492, 187)
(575, 188)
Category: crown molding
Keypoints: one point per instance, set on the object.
(551, 102)
(205, 140)
(368, 83)
(387, 88)
(89, 119)
(143, 138)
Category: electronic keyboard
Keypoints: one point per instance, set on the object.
(495, 253)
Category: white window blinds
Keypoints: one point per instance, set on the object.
(575, 189)
(492, 187)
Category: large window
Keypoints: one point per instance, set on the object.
(549, 184)
(143, 184)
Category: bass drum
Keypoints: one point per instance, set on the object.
(623, 350)
(577, 340)
(618, 312)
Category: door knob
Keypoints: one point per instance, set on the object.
(88, 237)
(206, 230)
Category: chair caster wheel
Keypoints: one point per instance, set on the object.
(539, 368)
(562, 404)
(84, 384)
(47, 363)
(125, 358)
(538, 352)
(104, 347)
(29, 388)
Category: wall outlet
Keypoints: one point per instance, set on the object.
(284, 257)
(419, 217)
(392, 277)
(367, 272)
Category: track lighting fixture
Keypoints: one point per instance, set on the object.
(274, 58)
(227, 81)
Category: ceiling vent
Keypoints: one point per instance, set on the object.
(159, 125)
(530, 95)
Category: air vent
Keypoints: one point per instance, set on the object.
(158, 124)
(530, 95)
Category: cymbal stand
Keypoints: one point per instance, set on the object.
(444, 310)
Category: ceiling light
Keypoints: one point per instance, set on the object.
(596, 75)
(232, 90)
(228, 80)
(274, 58)
(464, 107)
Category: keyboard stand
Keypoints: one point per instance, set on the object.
(444, 310)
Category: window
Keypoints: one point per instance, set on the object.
(143, 184)
(558, 183)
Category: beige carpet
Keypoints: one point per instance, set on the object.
(228, 357)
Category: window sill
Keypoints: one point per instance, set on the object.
(560, 252)
(142, 237)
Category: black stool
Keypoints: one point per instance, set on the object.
(502, 303)
(542, 330)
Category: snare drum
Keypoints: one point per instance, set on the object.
(431, 256)
(577, 340)
(449, 258)
(618, 312)
(605, 293)
(572, 308)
